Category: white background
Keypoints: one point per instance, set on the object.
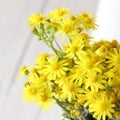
(19, 47)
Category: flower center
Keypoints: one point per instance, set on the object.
(94, 79)
(34, 70)
(66, 28)
(70, 88)
(103, 106)
(74, 49)
(55, 66)
(60, 12)
(89, 64)
(39, 18)
(32, 91)
(44, 98)
(88, 20)
(43, 78)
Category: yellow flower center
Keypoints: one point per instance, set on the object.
(88, 20)
(72, 18)
(32, 91)
(66, 28)
(39, 18)
(55, 66)
(94, 79)
(43, 78)
(70, 88)
(103, 106)
(73, 49)
(44, 98)
(89, 64)
(34, 70)
(60, 12)
(96, 59)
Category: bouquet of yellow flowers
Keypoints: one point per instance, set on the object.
(81, 75)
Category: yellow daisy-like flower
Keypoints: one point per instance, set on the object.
(31, 92)
(102, 108)
(42, 57)
(94, 81)
(45, 99)
(70, 90)
(85, 38)
(36, 19)
(87, 21)
(72, 19)
(55, 68)
(33, 74)
(89, 62)
(59, 14)
(66, 28)
(41, 61)
(73, 47)
(113, 59)
(89, 97)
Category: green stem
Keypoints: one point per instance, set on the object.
(52, 47)
(57, 44)
(59, 103)
(51, 44)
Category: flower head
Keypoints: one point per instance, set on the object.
(102, 108)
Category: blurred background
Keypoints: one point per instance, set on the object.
(18, 47)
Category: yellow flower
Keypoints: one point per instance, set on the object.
(45, 98)
(89, 63)
(102, 108)
(31, 92)
(67, 28)
(41, 61)
(85, 38)
(70, 90)
(33, 74)
(59, 14)
(72, 19)
(90, 96)
(36, 19)
(94, 81)
(73, 47)
(87, 21)
(113, 59)
(42, 57)
(55, 68)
